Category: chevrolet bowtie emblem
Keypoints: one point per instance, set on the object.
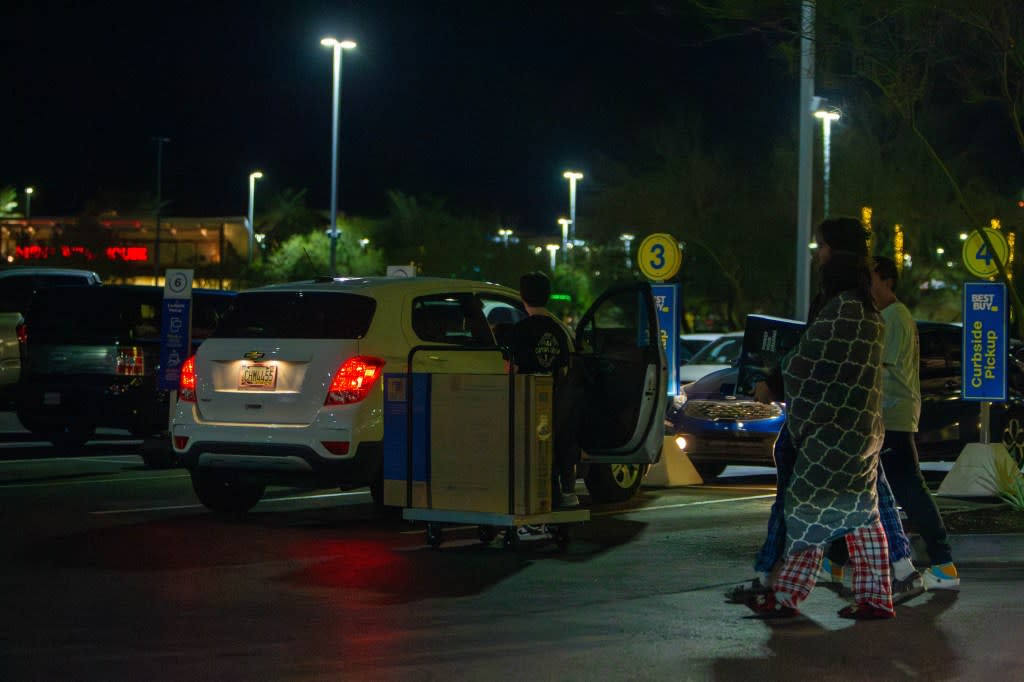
(254, 355)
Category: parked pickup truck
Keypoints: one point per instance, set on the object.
(18, 285)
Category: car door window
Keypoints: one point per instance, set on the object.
(455, 318)
(501, 315)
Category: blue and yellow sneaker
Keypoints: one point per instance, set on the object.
(830, 572)
(942, 577)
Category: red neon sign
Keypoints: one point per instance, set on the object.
(121, 253)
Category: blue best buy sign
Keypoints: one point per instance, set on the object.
(984, 344)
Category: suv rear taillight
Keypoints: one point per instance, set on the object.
(187, 381)
(22, 331)
(353, 380)
(130, 362)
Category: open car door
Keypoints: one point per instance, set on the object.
(623, 417)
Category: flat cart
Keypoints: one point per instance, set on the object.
(483, 448)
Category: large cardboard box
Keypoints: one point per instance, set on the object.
(469, 442)
(533, 443)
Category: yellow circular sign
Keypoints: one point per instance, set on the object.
(659, 257)
(977, 257)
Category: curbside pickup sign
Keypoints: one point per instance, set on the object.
(175, 326)
(984, 342)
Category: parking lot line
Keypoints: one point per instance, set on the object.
(138, 510)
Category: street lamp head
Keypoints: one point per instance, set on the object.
(343, 44)
(627, 237)
(824, 115)
(552, 247)
(30, 190)
(564, 222)
(572, 175)
(256, 175)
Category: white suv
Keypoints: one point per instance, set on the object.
(287, 389)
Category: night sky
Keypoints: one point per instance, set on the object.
(483, 103)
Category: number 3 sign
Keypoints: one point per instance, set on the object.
(978, 259)
(659, 257)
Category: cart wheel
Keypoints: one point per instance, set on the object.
(434, 535)
(561, 536)
(512, 537)
(487, 534)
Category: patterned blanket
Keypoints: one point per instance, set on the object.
(833, 383)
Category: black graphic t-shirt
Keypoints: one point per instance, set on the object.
(539, 345)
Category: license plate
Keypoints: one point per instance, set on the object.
(258, 376)
(51, 399)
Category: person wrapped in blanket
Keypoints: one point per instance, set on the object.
(832, 382)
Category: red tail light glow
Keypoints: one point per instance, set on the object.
(22, 331)
(187, 381)
(180, 442)
(131, 362)
(353, 380)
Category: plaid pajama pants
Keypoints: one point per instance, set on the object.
(869, 558)
(775, 539)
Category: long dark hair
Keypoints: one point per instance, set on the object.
(844, 271)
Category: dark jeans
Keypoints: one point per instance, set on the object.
(899, 459)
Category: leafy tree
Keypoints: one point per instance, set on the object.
(8, 202)
(286, 214)
(307, 256)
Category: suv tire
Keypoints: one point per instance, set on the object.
(223, 492)
(614, 482)
(157, 453)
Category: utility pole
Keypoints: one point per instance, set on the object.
(806, 162)
(159, 200)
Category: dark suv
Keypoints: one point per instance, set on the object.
(93, 356)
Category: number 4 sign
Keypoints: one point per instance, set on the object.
(977, 257)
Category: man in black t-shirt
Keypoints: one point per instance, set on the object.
(541, 344)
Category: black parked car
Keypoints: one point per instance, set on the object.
(720, 428)
(93, 356)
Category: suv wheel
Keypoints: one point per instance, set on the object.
(614, 482)
(223, 492)
(156, 452)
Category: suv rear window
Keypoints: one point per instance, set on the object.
(297, 315)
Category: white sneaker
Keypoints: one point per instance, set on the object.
(569, 500)
(531, 533)
(942, 577)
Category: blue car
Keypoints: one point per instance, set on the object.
(720, 428)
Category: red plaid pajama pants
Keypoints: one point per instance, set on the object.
(869, 560)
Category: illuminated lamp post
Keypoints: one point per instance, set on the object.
(253, 177)
(552, 251)
(572, 177)
(565, 223)
(504, 233)
(28, 209)
(337, 46)
(826, 138)
(627, 241)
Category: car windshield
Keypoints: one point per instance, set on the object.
(297, 315)
(724, 351)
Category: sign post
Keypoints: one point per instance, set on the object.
(175, 327)
(659, 257)
(983, 379)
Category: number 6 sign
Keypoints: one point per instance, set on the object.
(659, 257)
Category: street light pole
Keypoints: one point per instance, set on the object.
(826, 149)
(253, 177)
(28, 211)
(565, 223)
(159, 200)
(627, 241)
(337, 46)
(552, 250)
(572, 177)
